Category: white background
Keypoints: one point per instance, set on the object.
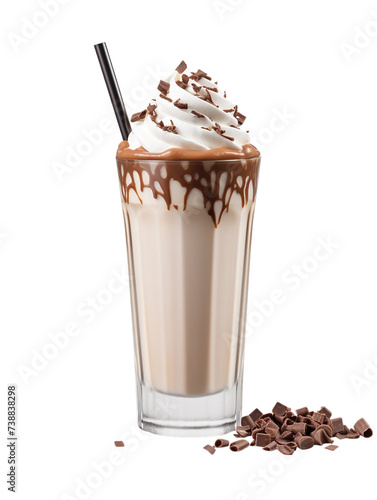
(62, 240)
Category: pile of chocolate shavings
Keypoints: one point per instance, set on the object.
(286, 431)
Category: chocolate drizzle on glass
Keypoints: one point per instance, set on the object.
(218, 181)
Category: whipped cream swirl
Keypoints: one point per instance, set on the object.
(190, 112)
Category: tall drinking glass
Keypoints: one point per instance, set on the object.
(188, 231)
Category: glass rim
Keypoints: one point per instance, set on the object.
(148, 160)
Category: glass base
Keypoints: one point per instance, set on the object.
(195, 416)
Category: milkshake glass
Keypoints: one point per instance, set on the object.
(188, 179)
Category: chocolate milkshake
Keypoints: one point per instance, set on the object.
(188, 179)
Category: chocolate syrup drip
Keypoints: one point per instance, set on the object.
(191, 175)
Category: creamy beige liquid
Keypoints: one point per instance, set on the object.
(189, 274)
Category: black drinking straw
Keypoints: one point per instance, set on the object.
(114, 90)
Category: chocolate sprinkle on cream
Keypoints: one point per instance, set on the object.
(152, 109)
(286, 431)
(163, 87)
(196, 113)
(139, 116)
(166, 97)
(180, 105)
(212, 89)
(240, 118)
(199, 74)
(182, 66)
(208, 98)
(181, 84)
(184, 82)
(197, 88)
(119, 444)
(218, 130)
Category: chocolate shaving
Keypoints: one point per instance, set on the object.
(327, 428)
(362, 427)
(272, 429)
(199, 74)
(319, 417)
(152, 109)
(208, 98)
(181, 84)
(182, 66)
(139, 116)
(221, 443)
(262, 440)
(180, 105)
(353, 434)
(326, 411)
(210, 449)
(337, 425)
(285, 449)
(304, 442)
(213, 89)
(119, 444)
(170, 128)
(197, 88)
(239, 445)
(280, 409)
(321, 437)
(199, 115)
(184, 82)
(218, 130)
(243, 430)
(163, 87)
(271, 446)
(256, 414)
(247, 420)
(166, 97)
(240, 118)
(302, 411)
(331, 447)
